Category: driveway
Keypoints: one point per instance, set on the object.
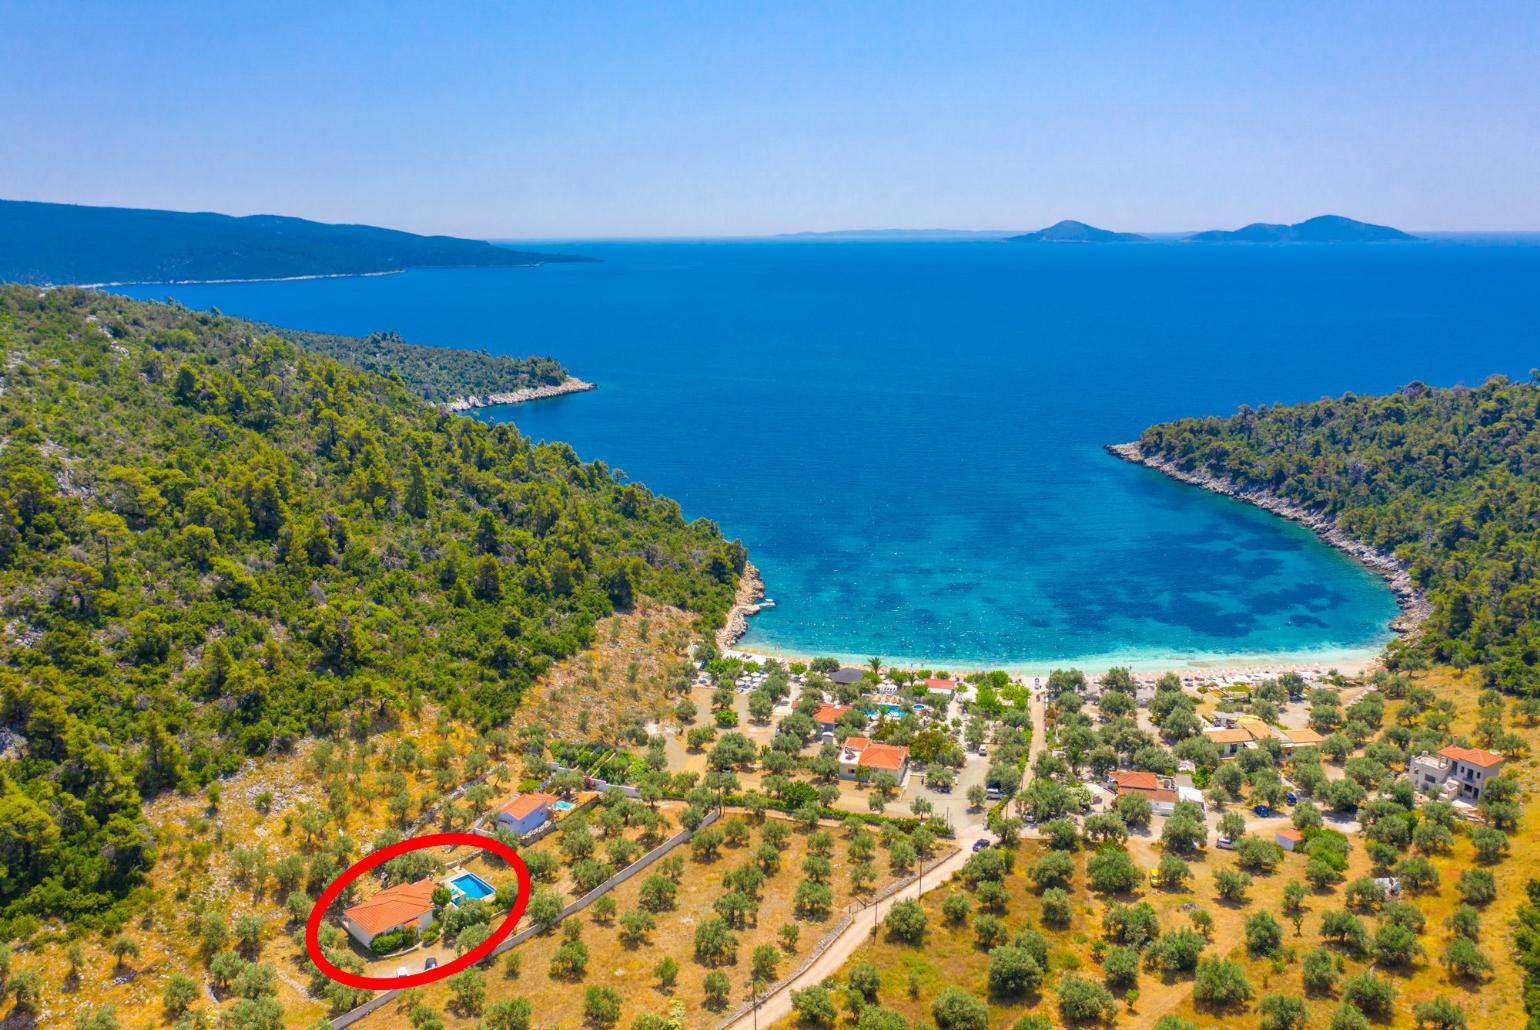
(777, 1006)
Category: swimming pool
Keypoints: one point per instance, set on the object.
(889, 710)
(562, 806)
(469, 885)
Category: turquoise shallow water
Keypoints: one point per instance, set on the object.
(908, 435)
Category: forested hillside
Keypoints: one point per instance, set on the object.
(436, 374)
(1449, 479)
(74, 243)
(213, 544)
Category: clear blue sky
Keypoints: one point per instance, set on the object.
(595, 119)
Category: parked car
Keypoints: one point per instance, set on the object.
(980, 844)
(1262, 810)
(431, 963)
(1226, 843)
(1291, 797)
(1389, 884)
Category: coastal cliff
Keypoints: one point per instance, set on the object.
(751, 590)
(1415, 608)
(571, 384)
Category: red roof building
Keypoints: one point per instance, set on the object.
(391, 909)
(1472, 756)
(828, 715)
(1134, 780)
(864, 753)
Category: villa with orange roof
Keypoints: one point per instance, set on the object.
(394, 908)
(827, 715)
(1161, 796)
(873, 756)
(1461, 772)
(1133, 779)
(525, 812)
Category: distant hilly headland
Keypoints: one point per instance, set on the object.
(52, 244)
(1071, 231)
(1320, 229)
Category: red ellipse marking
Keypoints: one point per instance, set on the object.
(426, 976)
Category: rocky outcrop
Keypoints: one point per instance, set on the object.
(1414, 606)
(533, 393)
(751, 590)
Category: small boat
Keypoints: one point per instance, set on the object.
(768, 602)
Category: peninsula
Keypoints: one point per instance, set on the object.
(54, 244)
(455, 378)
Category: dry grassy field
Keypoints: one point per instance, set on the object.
(629, 968)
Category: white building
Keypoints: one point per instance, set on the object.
(1461, 772)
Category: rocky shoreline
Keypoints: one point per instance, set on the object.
(571, 384)
(1415, 608)
(751, 589)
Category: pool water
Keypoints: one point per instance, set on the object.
(562, 806)
(469, 885)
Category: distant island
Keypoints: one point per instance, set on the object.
(55, 244)
(1071, 231)
(1320, 229)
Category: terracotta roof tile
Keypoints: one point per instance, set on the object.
(524, 804)
(1472, 756)
(829, 713)
(1135, 780)
(393, 906)
(889, 757)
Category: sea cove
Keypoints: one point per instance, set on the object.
(908, 436)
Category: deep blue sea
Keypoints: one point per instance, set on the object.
(907, 435)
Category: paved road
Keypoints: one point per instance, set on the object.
(778, 1005)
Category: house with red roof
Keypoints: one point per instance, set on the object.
(873, 756)
(827, 715)
(394, 908)
(941, 686)
(1289, 839)
(1161, 796)
(1133, 779)
(1460, 772)
(525, 812)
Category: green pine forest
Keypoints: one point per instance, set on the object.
(213, 543)
(436, 374)
(1447, 479)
